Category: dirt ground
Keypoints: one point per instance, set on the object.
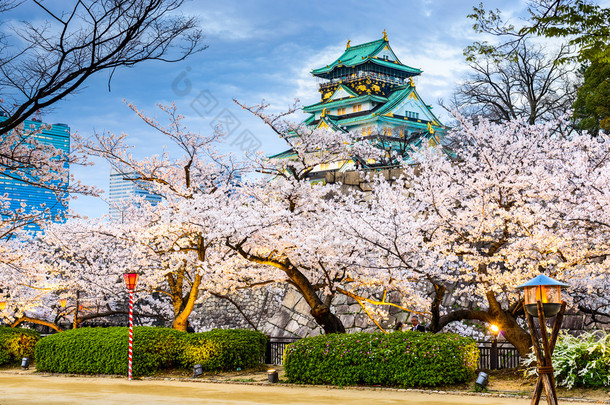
(19, 387)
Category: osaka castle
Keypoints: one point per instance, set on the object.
(368, 91)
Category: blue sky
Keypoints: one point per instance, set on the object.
(266, 50)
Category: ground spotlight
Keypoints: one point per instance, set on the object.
(482, 380)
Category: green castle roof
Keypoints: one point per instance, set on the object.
(359, 54)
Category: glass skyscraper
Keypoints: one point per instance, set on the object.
(125, 191)
(31, 198)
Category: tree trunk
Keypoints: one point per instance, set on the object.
(439, 293)
(319, 310)
(327, 320)
(505, 320)
(38, 321)
(181, 320)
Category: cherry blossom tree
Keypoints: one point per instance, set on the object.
(461, 233)
(181, 233)
(72, 272)
(288, 224)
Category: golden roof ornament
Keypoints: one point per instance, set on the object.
(348, 44)
(385, 36)
(323, 113)
(411, 82)
(430, 129)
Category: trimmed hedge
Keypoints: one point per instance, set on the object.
(400, 359)
(223, 349)
(104, 350)
(16, 343)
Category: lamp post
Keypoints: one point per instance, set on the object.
(542, 300)
(493, 354)
(130, 281)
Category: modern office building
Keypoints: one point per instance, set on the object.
(16, 184)
(126, 191)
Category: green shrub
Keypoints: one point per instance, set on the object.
(582, 361)
(16, 343)
(104, 350)
(223, 349)
(402, 359)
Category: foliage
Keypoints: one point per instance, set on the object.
(518, 200)
(403, 359)
(583, 24)
(223, 349)
(579, 361)
(592, 105)
(16, 343)
(104, 350)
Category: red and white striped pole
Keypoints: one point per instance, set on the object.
(130, 331)
(130, 281)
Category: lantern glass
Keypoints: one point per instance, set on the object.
(130, 280)
(549, 295)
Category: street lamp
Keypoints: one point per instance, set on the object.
(545, 290)
(542, 300)
(130, 281)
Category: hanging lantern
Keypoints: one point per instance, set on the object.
(2, 305)
(63, 302)
(130, 280)
(546, 290)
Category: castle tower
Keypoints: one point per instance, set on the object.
(369, 91)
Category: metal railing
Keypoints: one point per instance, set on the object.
(364, 75)
(506, 355)
(275, 349)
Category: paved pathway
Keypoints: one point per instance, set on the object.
(22, 389)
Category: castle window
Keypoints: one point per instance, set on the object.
(370, 130)
(390, 131)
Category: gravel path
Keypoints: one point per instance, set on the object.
(21, 389)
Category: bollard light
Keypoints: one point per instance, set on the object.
(545, 290)
(25, 363)
(197, 370)
(272, 376)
